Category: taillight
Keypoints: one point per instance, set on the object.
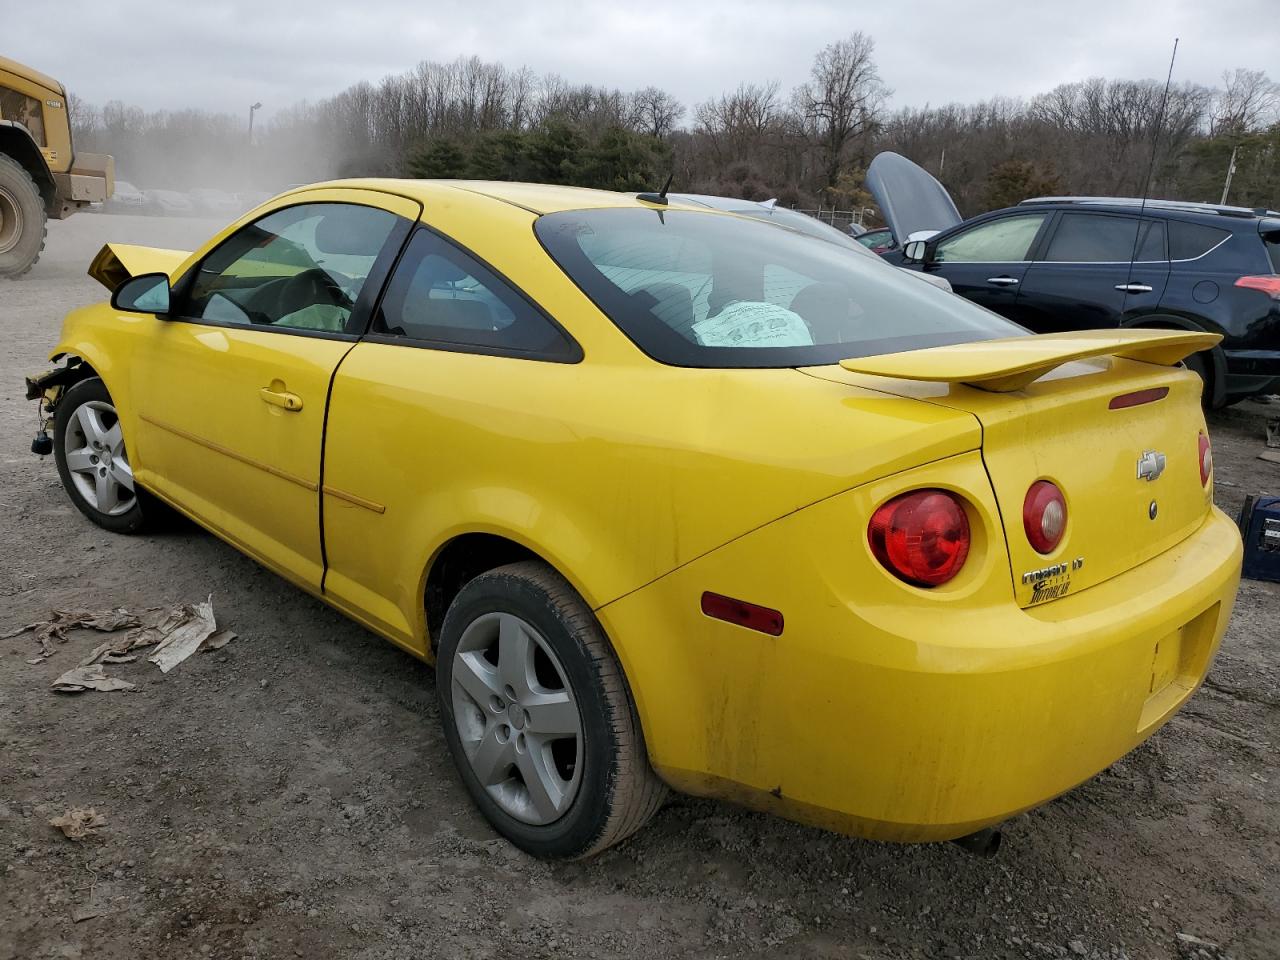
(1268, 284)
(921, 537)
(1044, 516)
(1206, 459)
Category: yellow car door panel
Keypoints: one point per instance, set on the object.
(230, 394)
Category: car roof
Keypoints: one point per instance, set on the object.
(535, 197)
(1169, 206)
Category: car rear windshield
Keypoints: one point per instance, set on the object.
(703, 289)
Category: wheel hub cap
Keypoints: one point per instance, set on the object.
(96, 459)
(517, 718)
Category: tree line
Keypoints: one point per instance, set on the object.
(807, 146)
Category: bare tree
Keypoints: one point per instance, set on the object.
(1249, 100)
(656, 112)
(842, 100)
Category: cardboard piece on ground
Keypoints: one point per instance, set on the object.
(105, 621)
(79, 822)
(182, 633)
(80, 679)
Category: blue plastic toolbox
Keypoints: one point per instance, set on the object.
(1260, 527)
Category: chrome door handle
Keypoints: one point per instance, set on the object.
(279, 398)
(1003, 281)
(1133, 287)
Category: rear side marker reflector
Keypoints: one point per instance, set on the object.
(1138, 398)
(744, 614)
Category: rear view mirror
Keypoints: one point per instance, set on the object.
(148, 293)
(914, 251)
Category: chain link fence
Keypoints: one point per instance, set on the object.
(840, 219)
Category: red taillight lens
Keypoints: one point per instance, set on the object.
(1268, 284)
(1206, 459)
(1044, 516)
(921, 537)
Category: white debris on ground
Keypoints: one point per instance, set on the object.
(175, 633)
(79, 823)
(106, 621)
(80, 679)
(179, 635)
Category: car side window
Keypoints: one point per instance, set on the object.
(299, 268)
(443, 297)
(1005, 240)
(1095, 238)
(1190, 240)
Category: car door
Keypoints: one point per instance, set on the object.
(1093, 271)
(418, 438)
(986, 262)
(231, 390)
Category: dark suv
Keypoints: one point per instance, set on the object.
(1070, 263)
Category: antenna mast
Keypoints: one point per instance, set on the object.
(1151, 168)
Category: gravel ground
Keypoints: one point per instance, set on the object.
(291, 795)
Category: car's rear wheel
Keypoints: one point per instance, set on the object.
(92, 460)
(538, 716)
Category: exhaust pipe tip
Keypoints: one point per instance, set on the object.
(981, 843)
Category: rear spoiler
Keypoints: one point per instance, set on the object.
(1003, 366)
(117, 262)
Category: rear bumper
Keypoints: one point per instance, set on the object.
(1252, 371)
(910, 722)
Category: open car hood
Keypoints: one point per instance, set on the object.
(117, 262)
(910, 198)
(1002, 366)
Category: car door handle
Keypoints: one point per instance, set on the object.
(1133, 287)
(279, 398)
(1003, 281)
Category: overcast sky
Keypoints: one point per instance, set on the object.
(226, 54)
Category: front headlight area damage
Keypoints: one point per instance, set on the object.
(48, 389)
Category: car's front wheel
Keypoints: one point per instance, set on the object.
(538, 716)
(92, 461)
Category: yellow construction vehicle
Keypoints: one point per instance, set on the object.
(41, 175)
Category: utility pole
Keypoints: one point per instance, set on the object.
(253, 108)
(1231, 169)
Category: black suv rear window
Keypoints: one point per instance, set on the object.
(1190, 240)
(697, 289)
(1272, 241)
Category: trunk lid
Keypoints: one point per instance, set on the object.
(1050, 416)
(910, 197)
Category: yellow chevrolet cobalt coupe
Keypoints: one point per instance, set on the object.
(671, 497)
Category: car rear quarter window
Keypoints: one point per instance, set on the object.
(1190, 240)
(1098, 238)
(1273, 250)
(704, 289)
(443, 297)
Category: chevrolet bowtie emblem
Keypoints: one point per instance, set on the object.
(1150, 465)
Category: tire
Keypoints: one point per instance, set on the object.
(22, 219)
(81, 464)
(602, 788)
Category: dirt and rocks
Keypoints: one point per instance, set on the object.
(290, 795)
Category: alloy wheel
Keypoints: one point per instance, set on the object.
(517, 719)
(96, 458)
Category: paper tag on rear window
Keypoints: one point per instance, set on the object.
(751, 323)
